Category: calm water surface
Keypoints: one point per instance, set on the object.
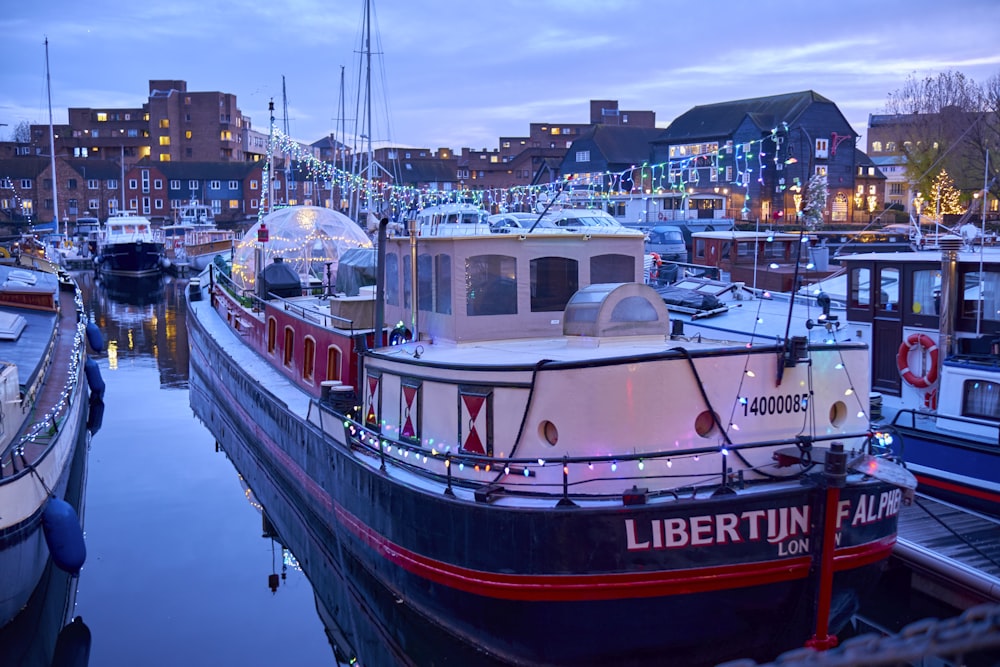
(177, 570)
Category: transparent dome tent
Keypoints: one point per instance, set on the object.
(307, 238)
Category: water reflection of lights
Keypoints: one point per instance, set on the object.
(113, 355)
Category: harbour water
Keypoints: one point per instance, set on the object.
(185, 561)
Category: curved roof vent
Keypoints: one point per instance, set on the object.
(616, 309)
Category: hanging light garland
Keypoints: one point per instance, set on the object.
(681, 175)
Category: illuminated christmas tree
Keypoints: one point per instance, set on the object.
(944, 197)
(814, 206)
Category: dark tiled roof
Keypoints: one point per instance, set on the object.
(427, 171)
(204, 170)
(100, 169)
(861, 159)
(707, 121)
(624, 145)
(23, 167)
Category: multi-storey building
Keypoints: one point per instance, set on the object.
(763, 150)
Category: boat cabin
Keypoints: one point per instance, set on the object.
(764, 260)
(501, 285)
(891, 296)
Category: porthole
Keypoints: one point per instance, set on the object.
(549, 432)
(704, 424)
(838, 413)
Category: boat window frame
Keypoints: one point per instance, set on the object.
(288, 350)
(309, 359)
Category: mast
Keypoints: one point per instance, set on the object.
(285, 129)
(52, 145)
(368, 98)
(270, 161)
(343, 126)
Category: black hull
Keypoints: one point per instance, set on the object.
(478, 573)
(131, 259)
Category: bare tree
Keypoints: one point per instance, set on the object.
(937, 119)
(22, 132)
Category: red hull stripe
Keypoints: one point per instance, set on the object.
(584, 587)
(958, 488)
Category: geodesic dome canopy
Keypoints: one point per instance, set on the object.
(307, 238)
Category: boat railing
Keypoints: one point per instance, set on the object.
(51, 423)
(907, 417)
(248, 298)
(578, 471)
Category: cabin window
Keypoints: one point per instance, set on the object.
(888, 297)
(777, 251)
(442, 278)
(392, 279)
(980, 296)
(272, 334)
(553, 281)
(409, 410)
(491, 285)
(699, 248)
(612, 269)
(333, 360)
(926, 292)
(309, 359)
(289, 345)
(861, 279)
(425, 282)
(981, 399)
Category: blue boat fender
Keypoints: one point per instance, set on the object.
(94, 378)
(63, 535)
(72, 645)
(94, 337)
(95, 416)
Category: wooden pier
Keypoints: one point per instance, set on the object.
(954, 553)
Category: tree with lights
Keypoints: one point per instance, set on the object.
(814, 204)
(944, 196)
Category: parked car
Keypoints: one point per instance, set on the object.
(667, 241)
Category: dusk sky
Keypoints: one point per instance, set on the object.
(462, 73)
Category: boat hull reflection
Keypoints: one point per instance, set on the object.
(364, 621)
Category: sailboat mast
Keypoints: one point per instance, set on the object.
(368, 98)
(52, 145)
(270, 162)
(342, 128)
(285, 129)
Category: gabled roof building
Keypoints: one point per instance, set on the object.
(763, 150)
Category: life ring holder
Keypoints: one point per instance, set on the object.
(903, 361)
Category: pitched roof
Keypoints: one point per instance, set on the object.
(100, 169)
(28, 166)
(721, 119)
(624, 145)
(203, 170)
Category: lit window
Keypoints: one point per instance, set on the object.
(164, 123)
(102, 117)
(164, 141)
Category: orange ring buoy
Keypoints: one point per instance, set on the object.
(903, 361)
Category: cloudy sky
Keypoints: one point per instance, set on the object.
(462, 73)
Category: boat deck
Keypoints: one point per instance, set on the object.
(956, 552)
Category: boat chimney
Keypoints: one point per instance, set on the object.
(950, 246)
(414, 230)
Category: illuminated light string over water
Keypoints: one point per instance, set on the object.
(676, 175)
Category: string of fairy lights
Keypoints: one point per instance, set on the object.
(735, 165)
